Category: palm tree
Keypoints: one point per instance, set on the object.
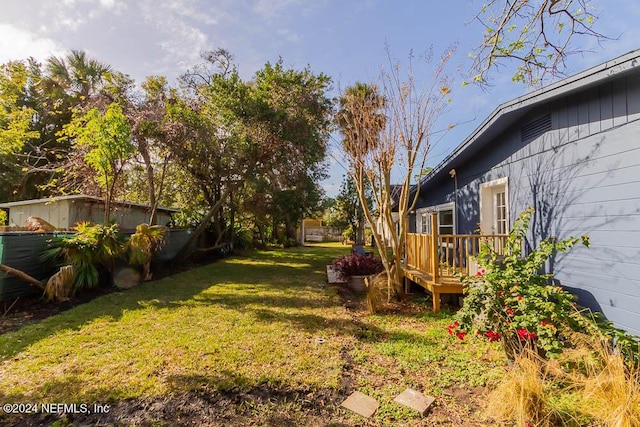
(361, 120)
(143, 244)
(76, 75)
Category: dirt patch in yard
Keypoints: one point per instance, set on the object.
(24, 311)
(259, 407)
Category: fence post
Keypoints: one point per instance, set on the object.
(435, 259)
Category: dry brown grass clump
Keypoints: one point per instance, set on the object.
(612, 391)
(588, 385)
(377, 288)
(60, 286)
(523, 395)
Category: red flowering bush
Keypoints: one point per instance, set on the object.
(508, 300)
(357, 265)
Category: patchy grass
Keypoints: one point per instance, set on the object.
(249, 326)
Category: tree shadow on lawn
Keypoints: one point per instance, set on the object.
(175, 291)
(277, 271)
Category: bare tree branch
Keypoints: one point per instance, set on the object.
(536, 34)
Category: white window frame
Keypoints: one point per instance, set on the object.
(450, 206)
(488, 216)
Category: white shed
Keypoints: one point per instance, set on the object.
(65, 212)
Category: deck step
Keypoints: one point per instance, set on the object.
(444, 285)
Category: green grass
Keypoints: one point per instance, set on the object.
(234, 325)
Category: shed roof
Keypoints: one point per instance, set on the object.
(511, 111)
(80, 197)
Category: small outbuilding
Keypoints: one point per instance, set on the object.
(65, 212)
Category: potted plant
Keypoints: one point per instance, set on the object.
(355, 268)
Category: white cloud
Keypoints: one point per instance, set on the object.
(117, 7)
(178, 25)
(17, 44)
(289, 35)
(271, 9)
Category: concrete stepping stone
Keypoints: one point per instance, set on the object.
(361, 404)
(415, 400)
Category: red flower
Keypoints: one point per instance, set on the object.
(543, 324)
(520, 298)
(453, 327)
(509, 312)
(524, 334)
(500, 293)
(481, 272)
(461, 335)
(493, 336)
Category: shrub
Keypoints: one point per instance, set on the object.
(510, 301)
(242, 239)
(94, 247)
(143, 244)
(357, 265)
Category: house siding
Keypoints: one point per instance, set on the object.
(581, 177)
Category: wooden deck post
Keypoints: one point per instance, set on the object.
(435, 259)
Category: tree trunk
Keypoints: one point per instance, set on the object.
(144, 152)
(360, 233)
(22, 276)
(261, 231)
(232, 231)
(184, 251)
(290, 228)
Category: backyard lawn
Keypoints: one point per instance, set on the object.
(254, 340)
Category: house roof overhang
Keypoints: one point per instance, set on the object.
(511, 111)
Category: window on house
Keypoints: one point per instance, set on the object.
(424, 223)
(444, 215)
(501, 212)
(445, 221)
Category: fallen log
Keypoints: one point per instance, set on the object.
(22, 276)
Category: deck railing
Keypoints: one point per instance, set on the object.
(446, 254)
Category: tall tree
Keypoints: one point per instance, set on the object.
(215, 133)
(389, 131)
(105, 139)
(361, 120)
(298, 122)
(149, 125)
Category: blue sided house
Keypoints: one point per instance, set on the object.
(572, 152)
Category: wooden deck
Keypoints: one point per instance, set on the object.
(437, 262)
(445, 285)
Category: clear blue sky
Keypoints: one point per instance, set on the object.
(344, 39)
